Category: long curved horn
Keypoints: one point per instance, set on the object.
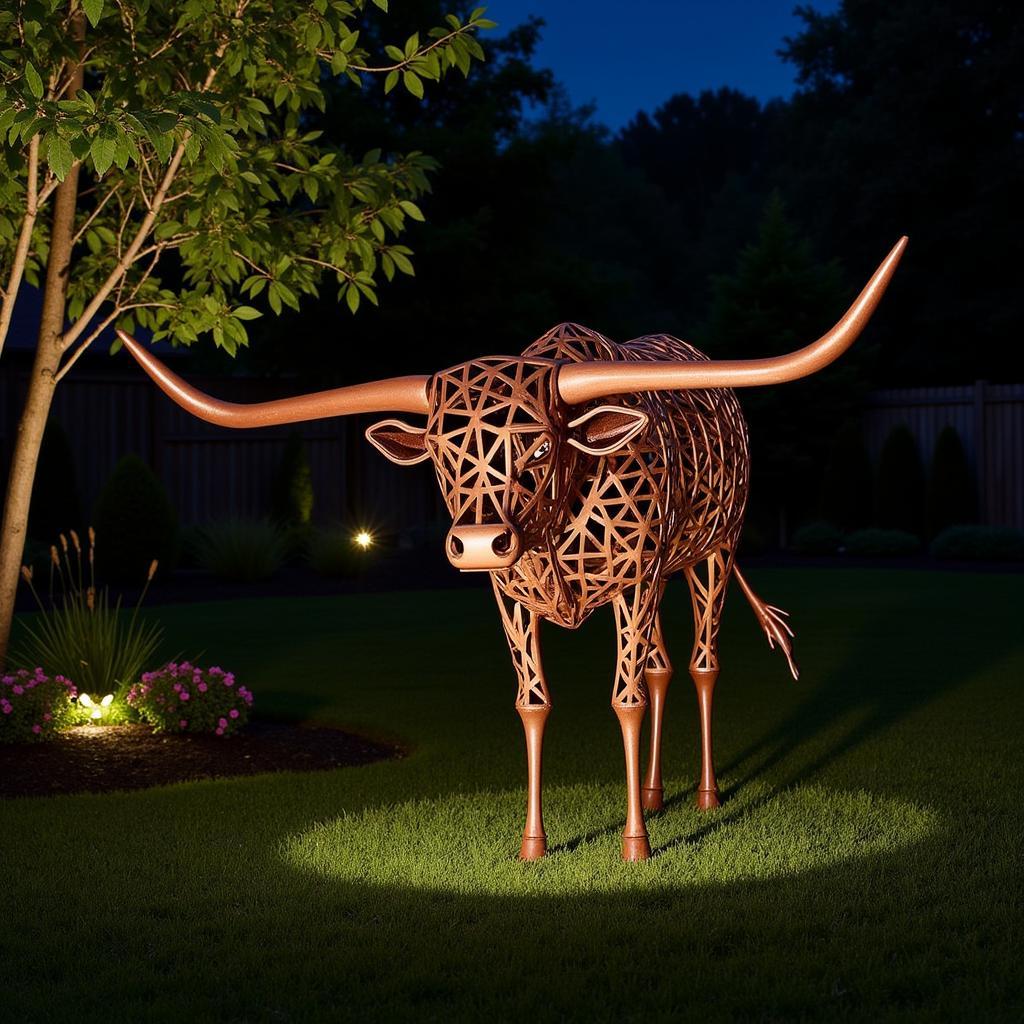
(396, 394)
(583, 382)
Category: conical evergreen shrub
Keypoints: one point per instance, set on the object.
(56, 505)
(899, 496)
(135, 523)
(952, 495)
(847, 485)
(292, 497)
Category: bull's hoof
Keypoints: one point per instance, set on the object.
(533, 848)
(707, 799)
(635, 848)
(652, 799)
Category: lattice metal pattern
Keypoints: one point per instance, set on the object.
(672, 496)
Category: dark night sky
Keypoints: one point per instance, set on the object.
(634, 56)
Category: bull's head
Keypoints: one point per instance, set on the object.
(500, 431)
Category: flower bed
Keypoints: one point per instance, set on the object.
(181, 697)
(35, 706)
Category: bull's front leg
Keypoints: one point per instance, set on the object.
(522, 630)
(634, 609)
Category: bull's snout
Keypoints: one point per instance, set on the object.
(478, 548)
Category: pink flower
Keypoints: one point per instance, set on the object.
(229, 679)
(184, 695)
(223, 723)
(47, 717)
(19, 690)
(219, 731)
(177, 686)
(233, 713)
(203, 687)
(37, 728)
(183, 724)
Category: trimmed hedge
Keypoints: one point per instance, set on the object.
(243, 550)
(992, 543)
(819, 538)
(882, 543)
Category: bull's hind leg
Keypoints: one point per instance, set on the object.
(708, 581)
(657, 676)
(634, 610)
(522, 630)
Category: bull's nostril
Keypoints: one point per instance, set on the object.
(502, 544)
(456, 547)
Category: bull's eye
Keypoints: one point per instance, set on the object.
(542, 449)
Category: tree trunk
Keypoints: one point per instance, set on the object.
(40, 387)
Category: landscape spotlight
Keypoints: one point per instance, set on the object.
(364, 539)
(95, 710)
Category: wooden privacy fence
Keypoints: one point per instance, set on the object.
(990, 421)
(213, 473)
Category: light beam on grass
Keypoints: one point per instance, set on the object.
(759, 835)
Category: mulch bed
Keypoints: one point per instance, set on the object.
(98, 759)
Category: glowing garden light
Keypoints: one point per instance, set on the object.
(95, 710)
(363, 539)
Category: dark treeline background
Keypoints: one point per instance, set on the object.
(743, 227)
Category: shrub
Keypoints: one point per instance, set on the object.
(994, 543)
(186, 698)
(882, 543)
(951, 492)
(245, 550)
(55, 500)
(847, 484)
(35, 706)
(899, 496)
(334, 552)
(819, 538)
(291, 496)
(136, 521)
(78, 634)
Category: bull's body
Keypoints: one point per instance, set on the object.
(671, 497)
(583, 473)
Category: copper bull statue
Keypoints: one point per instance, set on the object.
(584, 473)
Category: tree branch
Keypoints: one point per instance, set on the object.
(95, 213)
(461, 30)
(21, 250)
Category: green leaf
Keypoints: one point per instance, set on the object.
(58, 156)
(403, 263)
(390, 82)
(34, 82)
(93, 11)
(412, 209)
(352, 297)
(413, 84)
(246, 313)
(103, 148)
(382, 4)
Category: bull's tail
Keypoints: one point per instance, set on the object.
(773, 622)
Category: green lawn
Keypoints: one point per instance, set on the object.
(865, 863)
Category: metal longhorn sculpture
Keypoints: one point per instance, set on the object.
(584, 473)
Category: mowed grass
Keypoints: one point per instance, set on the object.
(865, 864)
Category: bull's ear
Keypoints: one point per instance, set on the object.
(607, 428)
(399, 442)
